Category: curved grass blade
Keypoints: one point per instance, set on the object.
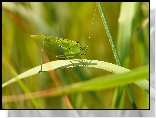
(99, 83)
(144, 84)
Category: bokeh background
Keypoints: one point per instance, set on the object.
(129, 25)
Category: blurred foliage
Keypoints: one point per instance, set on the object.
(74, 22)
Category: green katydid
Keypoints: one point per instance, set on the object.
(73, 48)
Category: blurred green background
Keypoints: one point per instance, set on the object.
(128, 23)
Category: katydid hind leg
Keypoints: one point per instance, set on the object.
(41, 60)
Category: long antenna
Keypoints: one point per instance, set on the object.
(92, 25)
(92, 22)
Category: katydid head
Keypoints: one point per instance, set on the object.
(83, 50)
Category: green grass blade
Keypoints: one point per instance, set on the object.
(77, 62)
(109, 34)
(114, 49)
(99, 83)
